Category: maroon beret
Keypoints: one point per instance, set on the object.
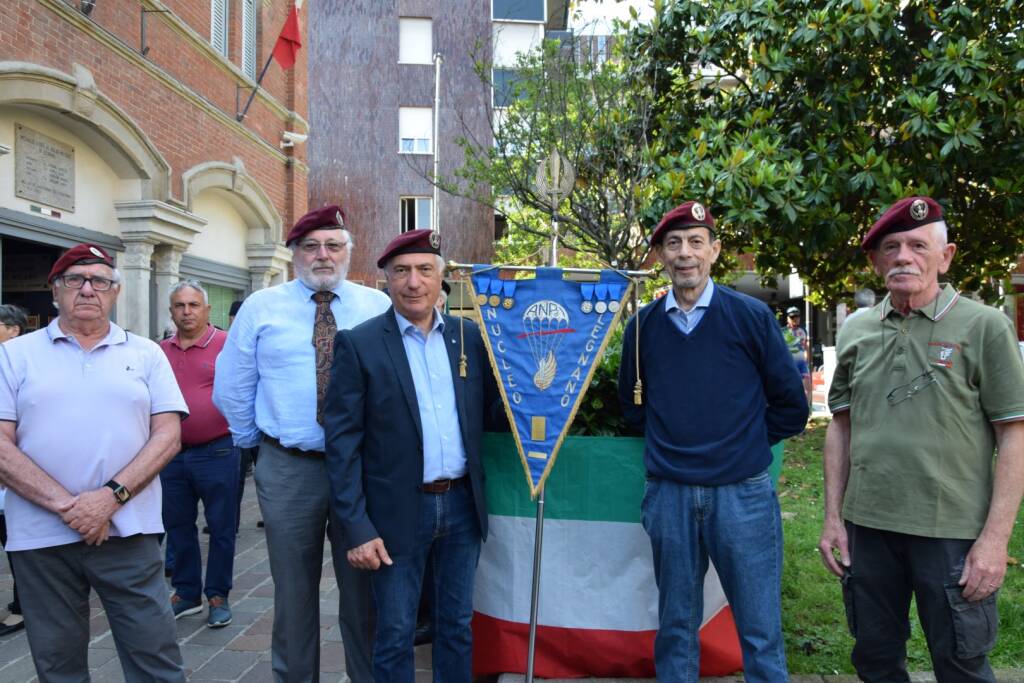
(79, 254)
(422, 241)
(686, 215)
(329, 217)
(906, 214)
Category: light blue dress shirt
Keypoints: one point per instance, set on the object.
(444, 455)
(265, 381)
(687, 321)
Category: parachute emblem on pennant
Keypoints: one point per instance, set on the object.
(545, 324)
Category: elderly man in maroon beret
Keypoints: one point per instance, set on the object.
(717, 388)
(89, 415)
(410, 392)
(928, 385)
(270, 383)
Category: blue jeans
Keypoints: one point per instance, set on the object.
(447, 536)
(737, 526)
(208, 472)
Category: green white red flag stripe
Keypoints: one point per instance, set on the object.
(598, 600)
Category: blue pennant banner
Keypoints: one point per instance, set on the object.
(545, 335)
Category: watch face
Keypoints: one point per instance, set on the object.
(122, 495)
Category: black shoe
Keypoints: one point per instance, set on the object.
(12, 624)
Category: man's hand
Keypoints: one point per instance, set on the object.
(369, 555)
(99, 537)
(833, 538)
(984, 569)
(90, 513)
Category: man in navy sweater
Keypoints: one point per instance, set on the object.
(715, 387)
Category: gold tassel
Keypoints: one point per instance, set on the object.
(638, 388)
(462, 343)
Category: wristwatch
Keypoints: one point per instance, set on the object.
(121, 494)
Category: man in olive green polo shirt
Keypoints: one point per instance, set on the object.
(928, 384)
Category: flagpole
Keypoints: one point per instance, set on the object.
(538, 545)
(252, 95)
(437, 142)
(538, 534)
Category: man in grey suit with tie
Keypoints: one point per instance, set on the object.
(409, 394)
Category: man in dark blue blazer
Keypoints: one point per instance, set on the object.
(410, 391)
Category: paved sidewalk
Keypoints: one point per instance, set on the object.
(241, 651)
(238, 652)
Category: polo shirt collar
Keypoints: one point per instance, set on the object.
(115, 335)
(404, 324)
(202, 343)
(934, 310)
(703, 302)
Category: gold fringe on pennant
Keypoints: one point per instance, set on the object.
(638, 388)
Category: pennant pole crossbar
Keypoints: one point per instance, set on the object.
(650, 274)
(538, 540)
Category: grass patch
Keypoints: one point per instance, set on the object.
(817, 639)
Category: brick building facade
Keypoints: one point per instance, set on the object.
(118, 125)
(372, 90)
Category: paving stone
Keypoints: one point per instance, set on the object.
(254, 604)
(262, 672)
(332, 657)
(226, 665)
(98, 656)
(215, 636)
(250, 643)
(263, 625)
(19, 669)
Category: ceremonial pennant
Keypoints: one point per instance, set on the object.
(544, 343)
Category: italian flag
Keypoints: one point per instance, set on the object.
(598, 601)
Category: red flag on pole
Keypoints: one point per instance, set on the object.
(290, 40)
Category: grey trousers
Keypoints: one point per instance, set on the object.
(294, 496)
(128, 575)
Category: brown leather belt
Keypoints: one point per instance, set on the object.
(297, 452)
(443, 485)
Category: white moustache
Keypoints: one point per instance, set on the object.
(902, 270)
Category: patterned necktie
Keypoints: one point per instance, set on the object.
(324, 329)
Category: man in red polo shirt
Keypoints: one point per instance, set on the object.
(206, 468)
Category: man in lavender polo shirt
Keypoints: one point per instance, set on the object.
(89, 414)
(206, 468)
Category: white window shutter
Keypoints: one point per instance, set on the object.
(219, 26)
(249, 38)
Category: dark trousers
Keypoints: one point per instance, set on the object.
(15, 605)
(888, 568)
(127, 574)
(206, 472)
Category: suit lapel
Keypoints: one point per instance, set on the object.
(451, 342)
(396, 350)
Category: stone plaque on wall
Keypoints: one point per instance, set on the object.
(44, 169)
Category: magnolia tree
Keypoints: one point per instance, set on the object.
(797, 122)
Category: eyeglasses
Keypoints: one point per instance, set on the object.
(906, 391)
(99, 284)
(313, 247)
